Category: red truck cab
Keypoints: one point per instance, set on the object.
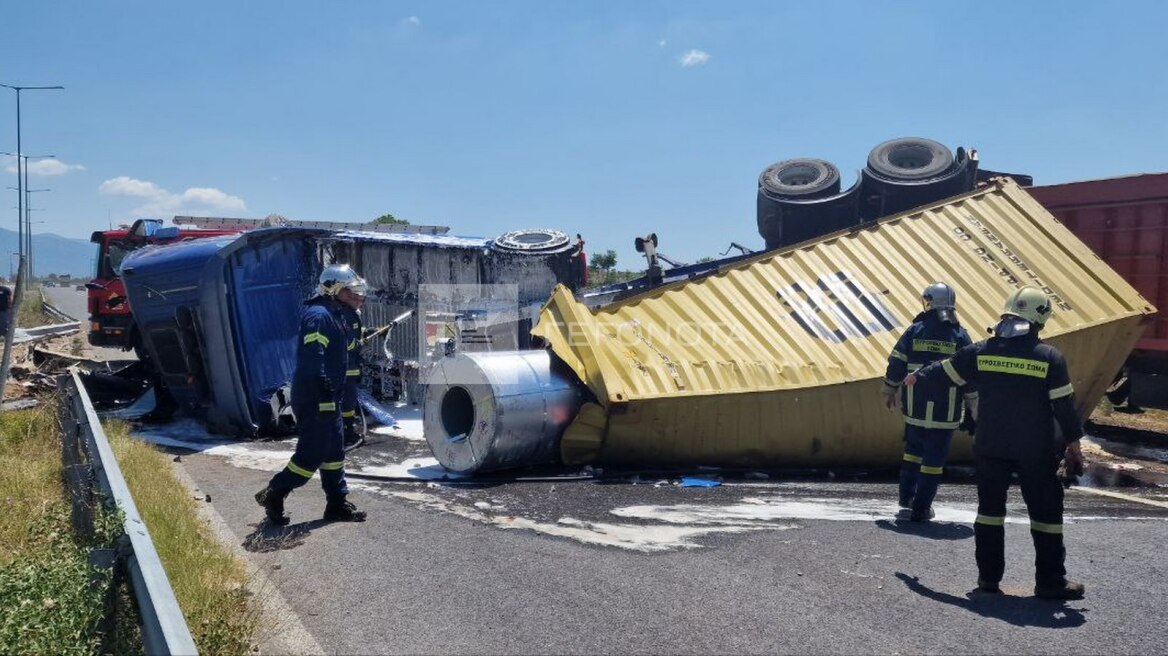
(110, 321)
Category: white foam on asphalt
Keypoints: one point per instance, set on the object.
(634, 537)
(409, 424)
(1129, 450)
(272, 456)
(755, 510)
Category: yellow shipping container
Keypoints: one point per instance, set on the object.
(776, 361)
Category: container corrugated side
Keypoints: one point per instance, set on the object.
(777, 361)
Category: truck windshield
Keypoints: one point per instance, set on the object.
(117, 253)
(109, 258)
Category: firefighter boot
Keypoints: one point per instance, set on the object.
(339, 509)
(990, 587)
(922, 515)
(1067, 590)
(273, 503)
(353, 437)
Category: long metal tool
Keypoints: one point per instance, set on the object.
(393, 322)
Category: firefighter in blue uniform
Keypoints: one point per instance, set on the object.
(1025, 392)
(933, 411)
(318, 384)
(354, 437)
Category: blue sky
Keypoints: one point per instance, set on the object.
(612, 119)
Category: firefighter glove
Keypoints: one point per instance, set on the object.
(968, 424)
(1074, 457)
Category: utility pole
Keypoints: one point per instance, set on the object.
(19, 182)
(21, 274)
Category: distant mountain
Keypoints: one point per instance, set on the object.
(52, 254)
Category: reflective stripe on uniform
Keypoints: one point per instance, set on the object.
(1018, 366)
(911, 458)
(929, 411)
(990, 520)
(1060, 392)
(327, 407)
(316, 337)
(952, 402)
(1043, 527)
(899, 356)
(349, 413)
(332, 466)
(353, 372)
(297, 469)
(947, 366)
(937, 471)
(923, 423)
(934, 346)
(352, 344)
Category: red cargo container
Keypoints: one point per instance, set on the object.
(1125, 221)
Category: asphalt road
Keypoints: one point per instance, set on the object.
(73, 303)
(69, 300)
(807, 563)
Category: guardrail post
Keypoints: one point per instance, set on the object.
(104, 578)
(75, 473)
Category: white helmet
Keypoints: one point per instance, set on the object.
(336, 277)
(1026, 307)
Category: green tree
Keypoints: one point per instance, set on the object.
(390, 220)
(605, 261)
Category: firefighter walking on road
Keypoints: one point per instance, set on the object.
(933, 410)
(353, 431)
(318, 384)
(1025, 392)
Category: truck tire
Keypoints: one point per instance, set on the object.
(800, 178)
(532, 240)
(786, 221)
(910, 158)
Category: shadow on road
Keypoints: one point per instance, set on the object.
(267, 538)
(929, 530)
(1019, 611)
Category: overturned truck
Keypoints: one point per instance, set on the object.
(220, 315)
(776, 360)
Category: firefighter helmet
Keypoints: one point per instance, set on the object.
(941, 297)
(336, 277)
(1029, 303)
(1025, 308)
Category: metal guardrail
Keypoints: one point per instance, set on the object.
(88, 459)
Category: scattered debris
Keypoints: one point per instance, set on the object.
(691, 481)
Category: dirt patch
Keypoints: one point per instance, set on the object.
(1151, 421)
(1127, 448)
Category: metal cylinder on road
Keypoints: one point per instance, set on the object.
(491, 411)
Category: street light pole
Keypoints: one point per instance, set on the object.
(19, 182)
(6, 358)
(28, 209)
(25, 232)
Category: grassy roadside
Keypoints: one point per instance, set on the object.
(206, 578)
(32, 310)
(47, 604)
